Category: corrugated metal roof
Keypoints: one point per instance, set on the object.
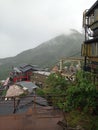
(16, 70)
(29, 85)
(27, 67)
(42, 73)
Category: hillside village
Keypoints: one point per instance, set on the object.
(28, 88)
(33, 67)
(51, 88)
(47, 54)
(23, 81)
(38, 76)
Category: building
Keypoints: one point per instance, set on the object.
(90, 45)
(22, 73)
(39, 77)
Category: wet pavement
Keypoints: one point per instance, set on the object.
(7, 107)
(42, 118)
(32, 114)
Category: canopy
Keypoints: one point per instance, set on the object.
(14, 90)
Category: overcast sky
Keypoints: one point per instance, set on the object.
(24, 24)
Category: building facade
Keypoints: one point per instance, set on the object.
(90, 45)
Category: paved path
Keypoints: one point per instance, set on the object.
(43, 118)
(7, 107)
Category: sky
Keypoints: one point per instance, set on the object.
(24, 24)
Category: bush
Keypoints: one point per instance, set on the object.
(82, 96)
(86, 121)
(40, 92)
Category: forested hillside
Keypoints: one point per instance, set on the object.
(46, 54)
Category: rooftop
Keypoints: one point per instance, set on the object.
(94, 6)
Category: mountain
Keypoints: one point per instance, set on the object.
(46, 54)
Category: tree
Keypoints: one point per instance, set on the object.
(83, 95)
(56, 89)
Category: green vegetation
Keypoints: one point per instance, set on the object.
(87, 121)
(82, 95)
(40, 92)
(3, 93)
(78, 99)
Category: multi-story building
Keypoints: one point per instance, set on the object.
(90, 45)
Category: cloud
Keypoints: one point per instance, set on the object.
(25, 24)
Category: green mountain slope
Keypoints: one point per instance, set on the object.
(46, 54)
